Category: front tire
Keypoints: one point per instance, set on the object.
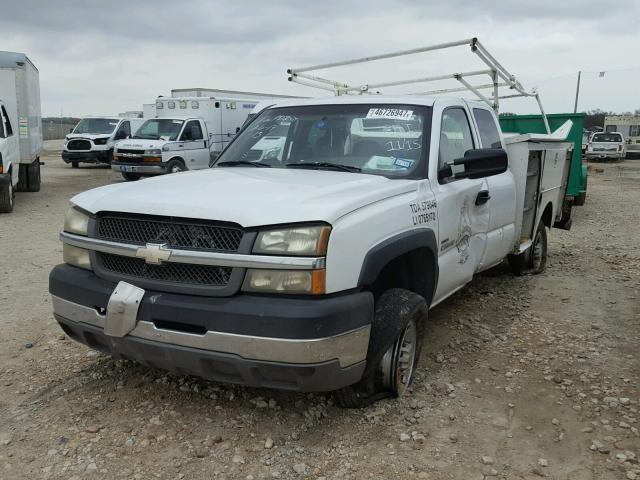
(130, 177)
(406, 313)
(6, 198)
(176, 166)
(74, 165)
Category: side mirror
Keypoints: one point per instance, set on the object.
(71, 130)
(478, 163)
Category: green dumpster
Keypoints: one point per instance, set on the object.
(577, 187)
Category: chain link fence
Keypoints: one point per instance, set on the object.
(56, 129)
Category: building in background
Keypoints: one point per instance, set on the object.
(629, 127)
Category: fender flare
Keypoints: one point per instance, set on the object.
(386, 251)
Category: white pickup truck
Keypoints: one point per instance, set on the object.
(312, 269)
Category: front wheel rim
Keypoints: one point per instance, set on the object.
(406, 359)
(398, 363)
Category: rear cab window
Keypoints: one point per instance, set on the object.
(607, 138)
(487, 128)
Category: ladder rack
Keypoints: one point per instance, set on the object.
(499, 77)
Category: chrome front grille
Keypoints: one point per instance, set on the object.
(79, 144)
(171, 233)
(178, 234)
(167, 272)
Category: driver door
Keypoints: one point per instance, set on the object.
(463, 218)
(196, 147)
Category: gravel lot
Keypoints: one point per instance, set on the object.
(521, 378)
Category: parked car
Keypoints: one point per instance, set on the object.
(93, 139)
(606, 146)
(312, 268)
(20, 127)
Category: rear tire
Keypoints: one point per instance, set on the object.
(23, 178)
(130, 177)
(393, 373)
(6, 198)
(33, 176)
(74, 165)
(581, 199)
(533, 259)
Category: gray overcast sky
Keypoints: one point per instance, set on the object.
(105, 57)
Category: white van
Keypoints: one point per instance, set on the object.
(93, 138)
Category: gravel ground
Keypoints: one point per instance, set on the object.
(521, 378)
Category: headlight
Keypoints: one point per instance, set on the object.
(153, 151)
(302, 241)
(100, 141)
(78, 257)
(285, 281)
(76, 222)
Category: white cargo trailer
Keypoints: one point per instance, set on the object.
(21, 129)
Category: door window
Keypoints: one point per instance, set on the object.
(489, 135)
(455, 138)
(124, 131)
(192, 131)
(7, 123)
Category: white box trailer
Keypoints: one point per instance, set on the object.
(214, 92)
(223, 116)
(21, 130)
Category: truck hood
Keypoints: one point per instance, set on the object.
(90, 136)
(141, 144)
(246, 195)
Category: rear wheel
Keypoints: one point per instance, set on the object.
(33, 176)
(130, 177)
(23, 178)
(534, 259)
(400, 314)
(6, 198)
(580, 199)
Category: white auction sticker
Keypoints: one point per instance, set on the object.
(390, 113)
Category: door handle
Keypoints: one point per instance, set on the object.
(483, 197)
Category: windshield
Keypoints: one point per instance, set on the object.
(160, 129)
(376, 139)
(96, 126)
(607, 137)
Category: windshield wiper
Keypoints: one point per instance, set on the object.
(325, 165)
(234, 163)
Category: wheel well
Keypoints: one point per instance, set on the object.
(547, 215)
(180, 159)
(415, 271)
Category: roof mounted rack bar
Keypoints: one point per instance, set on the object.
(499, 75)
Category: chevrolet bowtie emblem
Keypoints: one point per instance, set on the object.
(154, 253)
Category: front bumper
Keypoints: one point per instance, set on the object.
(288, 343)
(94, 156)
(156, 169)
